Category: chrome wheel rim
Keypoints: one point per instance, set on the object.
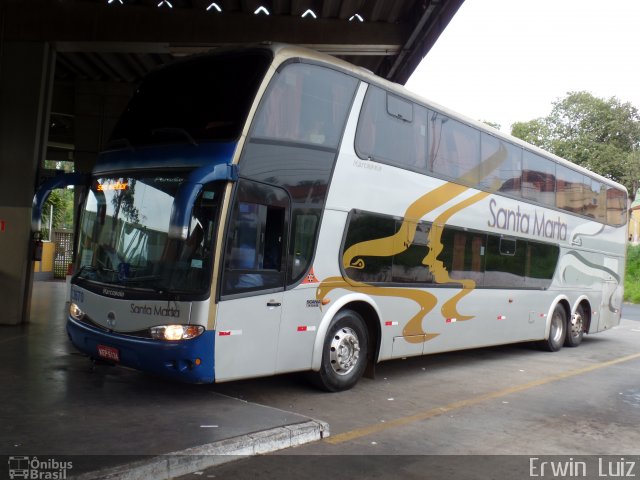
(576, 325)
(556, 328)
(344, 351)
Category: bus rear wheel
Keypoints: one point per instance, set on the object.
(344, 353)
(575, 332)
(557, 331)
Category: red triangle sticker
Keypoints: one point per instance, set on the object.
(310, 278)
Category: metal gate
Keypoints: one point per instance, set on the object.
(63, 256)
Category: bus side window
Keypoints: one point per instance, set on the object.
(256, 240)
(569, 189)
(392, 130)
(304, 234)
(455, 148)
(541, 262)
(505, 262)
(538, 178)
(616, 206)
(420, 138)
(307, 104)
(463, 254)
(506, 176)
(597, 201)
(364, 227)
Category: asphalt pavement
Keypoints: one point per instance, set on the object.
(119, 422)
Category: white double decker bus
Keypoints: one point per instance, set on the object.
(271, 209)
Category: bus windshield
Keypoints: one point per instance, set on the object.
(124, 241)
(207, 99)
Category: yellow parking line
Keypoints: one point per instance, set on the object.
(434, 412)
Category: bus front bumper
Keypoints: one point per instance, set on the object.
(189, 361)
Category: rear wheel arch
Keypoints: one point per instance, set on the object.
(586, 307)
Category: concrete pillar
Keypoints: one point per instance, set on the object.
(26, 79)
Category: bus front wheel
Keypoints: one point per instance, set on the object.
(344, 353)
(557, 331)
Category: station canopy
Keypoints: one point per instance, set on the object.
(122, 40)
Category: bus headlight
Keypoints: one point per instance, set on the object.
(75, 311)
(176, 332)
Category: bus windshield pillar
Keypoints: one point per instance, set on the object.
(59, 181)
(189, 190)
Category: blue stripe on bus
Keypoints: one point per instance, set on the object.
(164, 156)
(174, 360)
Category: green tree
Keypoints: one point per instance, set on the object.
(62, 202)
(600, 134)
(534, 131)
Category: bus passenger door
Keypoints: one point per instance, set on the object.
(250, 307)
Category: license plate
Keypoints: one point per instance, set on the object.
(108, 353)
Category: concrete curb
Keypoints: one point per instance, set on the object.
(175, 464)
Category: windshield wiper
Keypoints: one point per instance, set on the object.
(118, 143)
(176, 131)
(133, 281)
(90, 269)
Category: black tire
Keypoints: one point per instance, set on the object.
(344, 352)
(575, 328)
(557, 331)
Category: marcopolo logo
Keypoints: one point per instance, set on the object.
(37, 469)
(113, 293)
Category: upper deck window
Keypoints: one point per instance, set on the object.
(538, 178)
(455, 148)
(306, 103)
(392, 130)
(204, 99)
(500, 165)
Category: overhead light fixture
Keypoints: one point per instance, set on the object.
(309, 12)
(215, 6)
(261, 9)
(357, 16)
(119, 1)
(165, 2)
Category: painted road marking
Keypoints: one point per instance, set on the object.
(437, 411)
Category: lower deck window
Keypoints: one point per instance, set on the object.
(491, 261)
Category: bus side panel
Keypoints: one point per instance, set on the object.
(301, 318)
(247, 336)
(612, 295)
(489, 317)
(303, 309)
(597, 275)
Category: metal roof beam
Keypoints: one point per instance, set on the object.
(93, 22)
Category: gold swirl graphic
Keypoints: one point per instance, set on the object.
(397, 243)
(402, 240)
(440, 273)
(359, 264)
(413, 329)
